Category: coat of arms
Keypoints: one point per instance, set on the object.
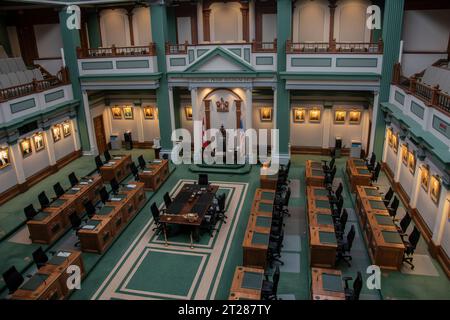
(222, 106)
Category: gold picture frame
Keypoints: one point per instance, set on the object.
(314, 115)
(339, 116)
(188, 113)
(39, 143)
(405, 154)
(149, 113)
(265, 114)
(425, 178)
(435, 189)
(395, 143)
(389, 137)
(66, 129)
(412, 162)
(116, 112)
(56, 133)
(128, 113)
(299, 115)
(4, 157)
(25, 147)
(354, 117)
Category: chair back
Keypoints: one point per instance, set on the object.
(395, 204)
(75, 220)
(276, 280)
(287, 197)
(73, 179)
(357, 286)
(203, 179)
(155, 212)
(167, 200)
(59, 191)
(165, 156)
(114, 185)
(373, 158)
(376, 173)
(90, 209)
(414, 237)
(406, 221)
(351, 237)
(104, 195)
(134, 169)
(343, 219)
(13, 279)
(141, 161)
(39, 257)
(98, 162)
(388, 195)
(43, 200)
(340, 204)
(333, 160)
(107, 155)
(29, 211)
(339, 190)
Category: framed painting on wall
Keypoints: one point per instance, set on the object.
(128, 113)
(4, 157)
(405, 154)
(314, 115)
(188, 113)
(66, 129)
(56, 133)
(389, 137)
(265, 114)
(412, 162)
(339, 116)
(395, 143)
(354, 117)
(299, 115)
(25, 147)
(149, 113)
(38, 140)
(435, 189)
(116, 112)
(425, 177)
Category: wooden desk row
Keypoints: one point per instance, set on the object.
(48, 225)
(380, 233)
(358, 173)
(267, 181)
(117, 167)
(327, 284)
(257, 234)
(100, 231)
(50, 281)
(155, 174)
(322, 236)
(314, 174)
(247, 284)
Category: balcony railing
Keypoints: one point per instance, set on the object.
(432, 96)
(35, 86)
(257, 46)
(114, 51)
(335, 47)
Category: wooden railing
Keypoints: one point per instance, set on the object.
(180, 48)
(36, 86)
(431, 96)
(257, 46)
(335, 47)
(114, 51)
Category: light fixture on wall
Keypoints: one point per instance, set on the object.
(4, 157)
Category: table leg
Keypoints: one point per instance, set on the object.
(192, 241)
(165, 235)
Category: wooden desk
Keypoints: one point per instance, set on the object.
(323, 246)
(255, 247)
(247, 283)
(314, 174)
(155, 174)
(43, 285)
(117, 167)
(358, 173)
(268, 181)
(264, 195)
(318, 204)
(327, 284)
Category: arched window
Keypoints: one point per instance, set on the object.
(114, 28)
(141, 26)
(311, 21)
(226, 22)
(351, 21)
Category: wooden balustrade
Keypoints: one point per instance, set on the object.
(259, 46)
(114, 51)
(335, 47)
(180, 48)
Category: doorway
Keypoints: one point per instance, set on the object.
(99, 128)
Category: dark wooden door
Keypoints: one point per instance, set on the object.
(99, 129)
(368, 139)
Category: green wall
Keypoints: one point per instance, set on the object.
(4, 40)
(93, 30)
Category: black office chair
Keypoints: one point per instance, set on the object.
(90, 208)
(13, 279)
(165, 156)
(75, 222)
(167, 200)
(104, 195)
(107, 156)
(30, 212)
(328, 168)
(134, 170)
(393, 208)
(388, 197)
(353, 294)
(404, 224)
(336, 209)
(59, 191)
(156, 215)
(43, 200)
(39, 257)
(142, 163)
(270, 288)
(274, 248)
(98, 162)
(73, 179)
(282, 203)
(329, 178)
(376, 172)
(371, 162)
(114, 185)
(340, 224)
(337, 194)
(209, 221)
(203, 179)
(345, 247)
(411, 245)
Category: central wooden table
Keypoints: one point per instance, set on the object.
(314, 174)
(192, 199)
(358, 173)
(327, 284)
(247, 284)
(117, 167)
(154, 174)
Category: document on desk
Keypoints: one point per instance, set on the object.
(76, 189)
(116, 199)
(88, 227)
(63, 254)
(147, 171)
(157, 161)
(84, 183)
(131, 186)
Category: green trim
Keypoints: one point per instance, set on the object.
(264, 61)
(97, 65)
(93, 27)
(22, 105)
(49, 97)
(356, 62)
(177, 62)
(226, 54)
(122, 77)
(247, 54)
(311, 62)
(417, 110)
(221, 74)
(133, 64)
(329, 76)
(191, 54)
(399, 97)
(201, 52)
(236, 51)
(441, 126)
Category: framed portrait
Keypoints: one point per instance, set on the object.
(412, 162)
(128, 113)
(38, 140)
(314, 115)
(425, 177)
(339, 116)
(25, 147)
(188, 113)
(265, 114)
(405, 154)
(4, 157)
(435, 189)
(354, 117)
(395, 142)
(56, 133)
(299, 115)
(389, 137)
(149, 113)
(116, 112)
(66, 129)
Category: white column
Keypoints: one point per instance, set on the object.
(398, 167)
(90, 126)
(275, 102)
(416, 185)
(365, 128)
(441, 217)
(75, 135)
(140, 124)
(17, 161)
(196, 117)
(248, 108)
(326, 124)
(376, 98)
(172, 110)
(50, 147)
(385, 147)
